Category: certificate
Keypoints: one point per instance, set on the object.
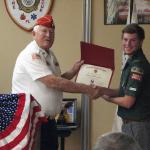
(98, 65)
(94, 75)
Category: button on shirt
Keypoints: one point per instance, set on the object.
(32, 64)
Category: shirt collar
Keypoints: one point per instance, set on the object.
(136, 53)
(40, 50)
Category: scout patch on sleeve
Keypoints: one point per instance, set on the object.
(135, 76)
(137, 70)
(35, 56)
(136, 73)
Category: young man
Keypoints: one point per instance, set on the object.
(133, 95)
(37, 72)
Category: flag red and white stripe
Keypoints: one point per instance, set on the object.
(19, 123)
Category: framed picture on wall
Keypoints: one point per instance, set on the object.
(116, 11)
(143, 11)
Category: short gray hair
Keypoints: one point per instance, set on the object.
(35, 28)
(116, 141)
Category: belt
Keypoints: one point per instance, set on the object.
(125, 121)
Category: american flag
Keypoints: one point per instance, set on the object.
(20, 116)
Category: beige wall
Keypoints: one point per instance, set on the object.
(68, 19)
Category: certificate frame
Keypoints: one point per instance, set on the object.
(98, 58)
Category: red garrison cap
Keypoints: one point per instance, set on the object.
(46, 21)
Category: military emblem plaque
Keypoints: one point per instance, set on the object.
(25, 12)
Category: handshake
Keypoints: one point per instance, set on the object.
(98, 91)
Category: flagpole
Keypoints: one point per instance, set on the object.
(85, 102)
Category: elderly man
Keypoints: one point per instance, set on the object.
(37, 72)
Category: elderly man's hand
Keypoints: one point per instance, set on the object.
(77, 66)
(96, 92)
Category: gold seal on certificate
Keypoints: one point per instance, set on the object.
(96, 75)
